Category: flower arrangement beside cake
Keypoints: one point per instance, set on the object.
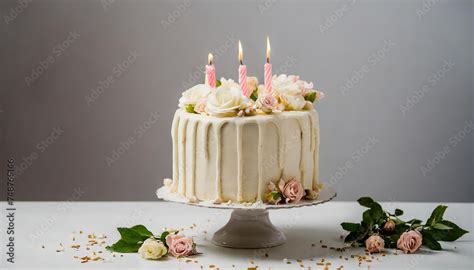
(244, 142)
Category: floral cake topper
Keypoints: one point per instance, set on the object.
(289, 93)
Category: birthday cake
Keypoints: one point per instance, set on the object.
(246, 143)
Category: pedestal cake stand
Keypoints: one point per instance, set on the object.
(249, 226)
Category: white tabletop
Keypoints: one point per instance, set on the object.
(48, 224)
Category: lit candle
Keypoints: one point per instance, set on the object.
(210, 72)
(268, 70)
(242, 73)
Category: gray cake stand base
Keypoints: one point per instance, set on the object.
(249, 229)
(249, 226)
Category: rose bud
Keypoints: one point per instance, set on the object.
(389, 226)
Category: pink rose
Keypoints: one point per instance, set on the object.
(267, 103)
(200, 107)
(180, 246)
(410, 242)
(292, 190)
(305, 87)
(374, 244)
(319, 95)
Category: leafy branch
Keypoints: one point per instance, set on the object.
(390, 227)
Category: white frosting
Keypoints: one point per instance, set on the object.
(222, 159)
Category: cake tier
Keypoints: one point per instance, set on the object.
(222, 159)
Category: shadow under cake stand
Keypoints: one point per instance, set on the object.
(249, 226)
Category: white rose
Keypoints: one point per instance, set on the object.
(194, 94)
(225, 101)
(229, 83)
(252, 83)
(151, 249)
(284, 84)
(293, 102)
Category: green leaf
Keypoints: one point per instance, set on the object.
(254, 95)
(131, 236)
(276, 195)
(310, 96)
(436, 215)
(398, 212)
(351, 227)
(142, 230)
(124, 247)
(163, 237)
(449, 235)
(414, 221)
(189, 108)
(441, 226)
(366, 201)
(429, 241)
(218, 83)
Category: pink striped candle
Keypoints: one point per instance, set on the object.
(268, 70)
(210, 73)
(242, 73)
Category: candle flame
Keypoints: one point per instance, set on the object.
(241, 54)
(268, 50)
(210, 58)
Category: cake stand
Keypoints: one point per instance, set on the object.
(249, 226)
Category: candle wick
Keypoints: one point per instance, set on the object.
(241, 62)
(268, 60)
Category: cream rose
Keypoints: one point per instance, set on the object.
(225, 101)
(151, 249)
(289, 91)
(293, 102)
(229, 83)
(283, 84)
(410, 242)
(194, 94)
(180, 246)
(374, 244)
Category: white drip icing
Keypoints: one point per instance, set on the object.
(197, 126)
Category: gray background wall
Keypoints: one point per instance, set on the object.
(396, 123)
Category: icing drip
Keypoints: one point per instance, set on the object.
(193, 159)
(174, 136)
(182, 169)
(260, 164)
(206, 141)
(302, 148)
(217, 132)
(239, 162)
(316, 151)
